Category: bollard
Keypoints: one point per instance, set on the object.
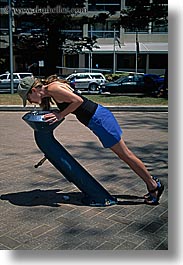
(94, 193)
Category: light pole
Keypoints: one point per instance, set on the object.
(11, 44)
(114, 51)
(136, 53)
(91, 54)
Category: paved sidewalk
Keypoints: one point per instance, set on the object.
(33, 212)
(147, 108)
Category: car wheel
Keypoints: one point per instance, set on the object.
(93, 87)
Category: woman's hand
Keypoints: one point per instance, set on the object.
(53, 117)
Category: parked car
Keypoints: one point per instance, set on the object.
(86, 81)
(162, 90)
(136, 83)
(159, 80)
(5, 81)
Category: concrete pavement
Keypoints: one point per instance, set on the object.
(33, 212)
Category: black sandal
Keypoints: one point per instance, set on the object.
(152, 200)
(146, 196)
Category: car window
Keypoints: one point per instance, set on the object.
(97, 76)
(130, 79)
(15, 76)
(3, 76)
(71, 78)
(83, 77)
(137, 78)
(119, 80)
(24, 75)
(127, 79)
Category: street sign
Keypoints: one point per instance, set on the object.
(41, 63)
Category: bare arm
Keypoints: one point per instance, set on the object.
(61, 94)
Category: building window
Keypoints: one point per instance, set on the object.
(72, 61)
(165, 2)
(131, 3)
(103, 30)
(127, 61)
(72, 34)
(159, 28)
(3, 3)
(104, 5)
(159, 24)
(140, 30)
(158, 61)
(101, 61)
(75, 30)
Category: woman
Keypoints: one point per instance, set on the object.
(96, 117)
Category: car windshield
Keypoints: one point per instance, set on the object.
(24, 75)
(119, 80)
(129, 78)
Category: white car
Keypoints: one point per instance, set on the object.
(5, 82)
(86, 81)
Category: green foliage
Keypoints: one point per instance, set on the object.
(48, 42)
(137, 16)
(113, 77)
(140, 13)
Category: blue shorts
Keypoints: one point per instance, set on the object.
(104, 125)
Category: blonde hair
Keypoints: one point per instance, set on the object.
(45, 103)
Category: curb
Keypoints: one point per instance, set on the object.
(153, 108)
(139, 108)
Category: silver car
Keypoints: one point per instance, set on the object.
(5, 82)
(86, 81)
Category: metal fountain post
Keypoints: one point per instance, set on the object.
(94, 192)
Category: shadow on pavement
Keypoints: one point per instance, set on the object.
(54, 198)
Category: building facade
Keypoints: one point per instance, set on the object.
(116, 51)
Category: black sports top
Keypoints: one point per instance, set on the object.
(84, 112)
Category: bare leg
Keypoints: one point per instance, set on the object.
(134, 163)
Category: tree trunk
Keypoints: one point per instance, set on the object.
(52, 51)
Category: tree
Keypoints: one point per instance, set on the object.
(49, 22)
(140, 14)
(52, 42)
